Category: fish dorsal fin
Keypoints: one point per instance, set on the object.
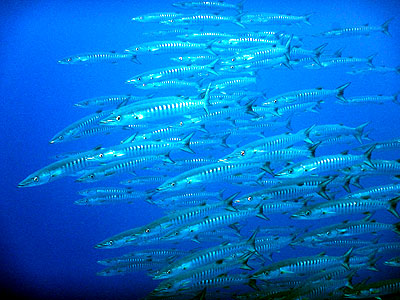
(113, 51)
(319, 88)
(345, 152)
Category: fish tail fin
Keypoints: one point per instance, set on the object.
(396, 227)
(223, 140)
(393, 205)
(346, 258)
(307, 134)
(288, 47)
(306, 18)
(385, 27)
(167, 158)
(211, 67)
(340, 91)
(338, 53)
(313, 147)
(251, 242)
(209, 48)
(396, 98)
(229, 202)
(186, 143)
(221, 194)
(359, 131)
(367, 156)
(239, 6)
(249, 108)
(289, 124)
(238, 20)
(372, 260)
(318, 51)
(134, 59)
(244, 259)
(322, 187)
(206, 98)
(369, 60)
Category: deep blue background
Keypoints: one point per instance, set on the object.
(46, 245)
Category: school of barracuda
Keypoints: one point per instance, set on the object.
(211, 189)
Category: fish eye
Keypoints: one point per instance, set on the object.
(181, 123)
(91, 176)
(233, 59)
(275, 101)
(141, 18)
(118, 118)
(101, 155)
(290, 171)
(110, 243)
(232, 67)
(61, 137)
(69, 59)
(172, 184)
(36, 179)
(180, 58)
(169, 272)
(147, 230)
(137, 48)
(242, 153)
(249, 198)
(139, 78)
(308, 212)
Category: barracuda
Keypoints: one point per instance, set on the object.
(105, 199)
(346, 206)
(212, 5)
(275, 19)
(90, 58)
(375, 290)
(174, 72)
(310, 95)
(326, 163)
(156, 17)
(206, 19)
(360, 30)
(113, 100)
(162, 47)
(302, 266)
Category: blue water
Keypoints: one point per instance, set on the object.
(46, 248)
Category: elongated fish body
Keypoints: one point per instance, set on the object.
(176, 199)
(173, 72)
(378, 248)
(85, 123)
(377, 69)
(301, 266)
(173, 46)
(232, 83)
(203, 19)
(393, 262)
(274, 19)
(375, 99)
(153, 111)
(143, 255)
(199, 59)
(327, 163)
(168, 131)
(345, 229)
(341, 61)
(70, 166)
(130, 267)
(265, 145)
(100, 57)
(169, 84)
(359, 30)
(393, 144)
(375, 289)
(258, 53)
(381, 167)
(125, 151)
(301, 53)
(342, 243)
(156, 17)
(293, 109)
(188, 164)
(243, 42)
(207, 174)
(113, 100)
(302, 96)
(329, 289)
(376, 192)
(105, 190)
(144, 180)
(112, 199)
(208, 36)
(322, 132)
(122, 260)
(121, 166)
(98, 130)
(209, 5)
(210, 222)
(345, 207)
(204, 257)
